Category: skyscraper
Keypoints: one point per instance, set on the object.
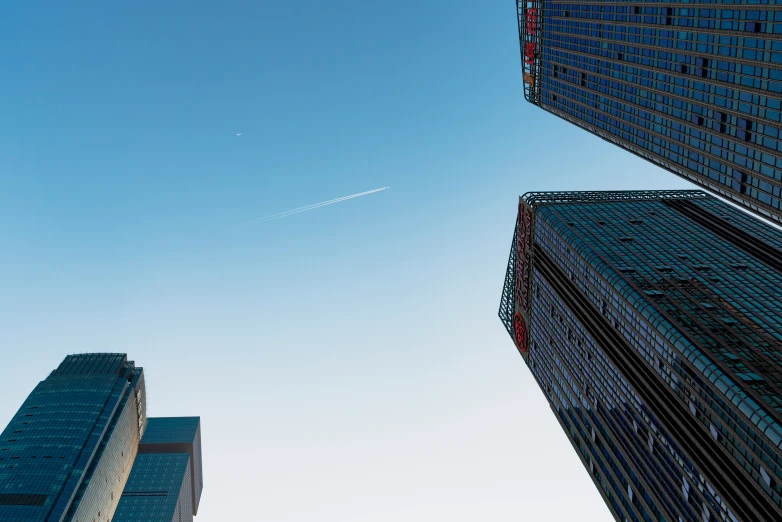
(694, 87)
(652, 321)
(66, 454)
(166, 481)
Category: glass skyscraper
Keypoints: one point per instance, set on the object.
(652, 321)
(694, 87)
(66, 454)
(166, 481)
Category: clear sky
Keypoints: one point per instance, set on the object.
(348, 363)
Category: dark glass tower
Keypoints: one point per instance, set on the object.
(652, 321)
(166, 481)
(66, 454)
(694, 87)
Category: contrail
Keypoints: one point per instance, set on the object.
(291, 212)
(314, 205)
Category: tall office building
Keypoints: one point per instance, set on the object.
(652, 321)
(66, 454)
(694, 87)
(166, 481)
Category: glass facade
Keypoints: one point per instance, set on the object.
(167, 479)
(652, 321)
(158, 490)
(695, 88)
(66, 454)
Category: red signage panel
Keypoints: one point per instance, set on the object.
(522, 276)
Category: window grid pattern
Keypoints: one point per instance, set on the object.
(643, 475)
(173, 435)
(698, 90)
(749, 224)
(158, 490)
(720, 404)
(72, 442)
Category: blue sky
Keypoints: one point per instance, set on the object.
(347, 362)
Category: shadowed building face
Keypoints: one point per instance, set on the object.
(66, 454)
(652, 321)
(166, 481)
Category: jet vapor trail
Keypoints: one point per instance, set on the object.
(291, 212)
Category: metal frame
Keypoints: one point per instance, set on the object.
(515, 301)
(538, 198)
(530, 19)
(508, 300)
